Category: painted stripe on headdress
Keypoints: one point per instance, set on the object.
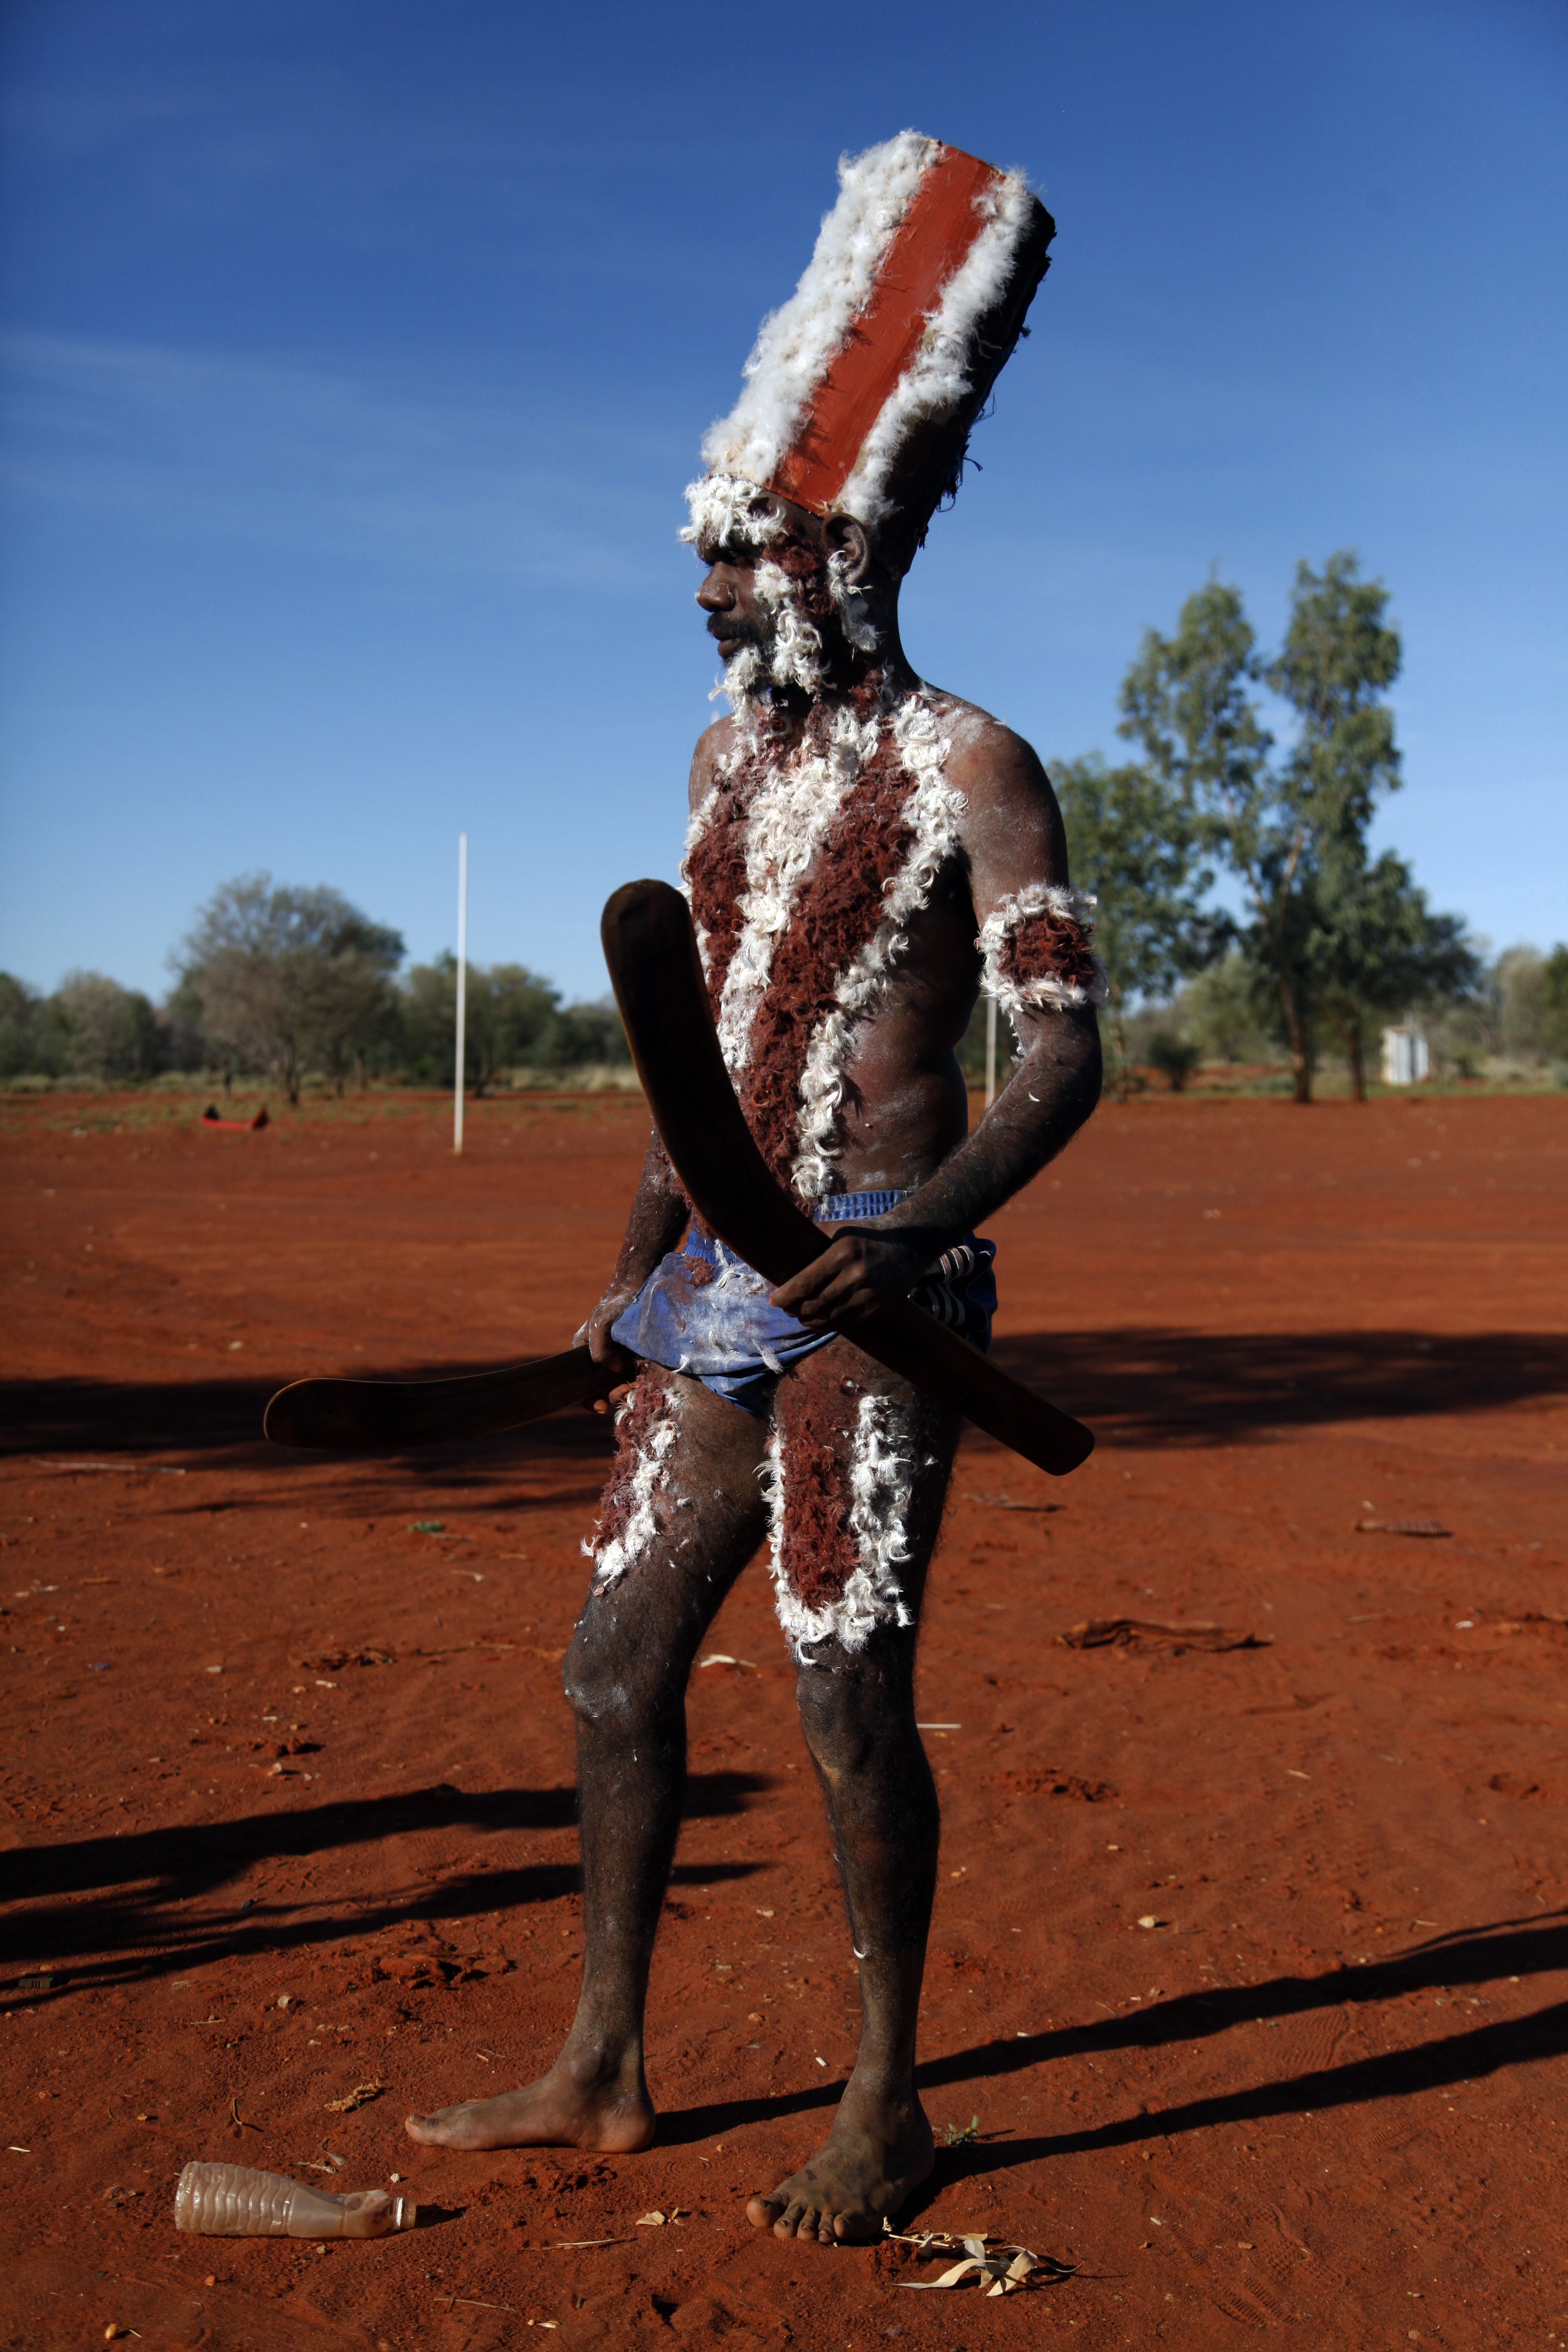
(860, 388)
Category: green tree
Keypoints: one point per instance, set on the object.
(1518, 1023)
(516, 1014)
(1375, 947)
(1226, 1009)
(1133, 840)
(589, 1035)
(1178, 1057)
(289, 979)
(19, 1008)
(97, 1029)
(1189, 700)
(508, 1021)
(184, 1044)
(426, 1003)
(1554, 1002)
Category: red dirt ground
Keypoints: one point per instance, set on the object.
(266, 1745)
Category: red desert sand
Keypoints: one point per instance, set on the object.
(1249, 1963)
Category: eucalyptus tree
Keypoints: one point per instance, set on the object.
(1132, 841)
(1191, 700)
(288, 980)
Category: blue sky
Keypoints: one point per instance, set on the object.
(356, 352)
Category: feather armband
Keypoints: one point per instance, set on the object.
(1035, 947)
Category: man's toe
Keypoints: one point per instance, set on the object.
(855, 2229)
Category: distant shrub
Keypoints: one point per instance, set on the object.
(19, 1009)
(1174, 1057)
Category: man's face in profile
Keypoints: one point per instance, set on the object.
(762, 595)
(729, 597)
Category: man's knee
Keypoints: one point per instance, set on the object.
(850, 1700)
(605, 1673)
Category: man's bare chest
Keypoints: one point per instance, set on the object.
(812, 878)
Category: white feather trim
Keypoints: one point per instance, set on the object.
(881, 1482)
(1068, 906)
(613, 1559)
(731, 511)
(937, 379)
(796, 342)
(850, 605)
(787, 819)
(935, 810)
(697, 826)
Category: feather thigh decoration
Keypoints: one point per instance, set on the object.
(646, 1431)
(854, 1498)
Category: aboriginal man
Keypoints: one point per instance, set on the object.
(865, 853)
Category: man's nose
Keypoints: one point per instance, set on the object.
(716, 594)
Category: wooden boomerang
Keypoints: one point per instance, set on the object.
(651, 949)
(652, 955)
(384, 1416)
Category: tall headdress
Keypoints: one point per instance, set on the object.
(860, 392)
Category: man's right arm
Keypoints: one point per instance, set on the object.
(658, 1216)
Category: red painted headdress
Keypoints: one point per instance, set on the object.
(861, 389)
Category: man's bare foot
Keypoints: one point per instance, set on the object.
(878, 2153)
(561, 2110)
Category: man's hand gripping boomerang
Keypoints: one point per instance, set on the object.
(651, 951)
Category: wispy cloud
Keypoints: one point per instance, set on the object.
(282, 454)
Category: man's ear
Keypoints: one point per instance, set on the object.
(849, 538)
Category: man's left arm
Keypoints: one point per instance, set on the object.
(1034, 939)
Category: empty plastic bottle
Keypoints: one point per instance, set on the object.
(230, 2200)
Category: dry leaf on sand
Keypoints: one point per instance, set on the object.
(997, 2270)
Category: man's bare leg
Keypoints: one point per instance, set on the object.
(858, 1715)
(625, 1675)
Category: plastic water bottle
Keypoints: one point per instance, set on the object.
(230, 2200)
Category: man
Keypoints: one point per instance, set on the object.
(865, 851)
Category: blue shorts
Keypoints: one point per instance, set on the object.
(705, 1311)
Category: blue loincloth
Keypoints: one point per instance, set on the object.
(723, 1331)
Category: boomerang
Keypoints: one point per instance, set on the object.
(651, 951)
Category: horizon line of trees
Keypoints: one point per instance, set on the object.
(279, 982)
(1331, 943)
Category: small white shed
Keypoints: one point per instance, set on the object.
(1405, 1059)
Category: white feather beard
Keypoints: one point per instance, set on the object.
(1049, 991)
(787, 819)
(792, 654)
(881, 1483)
(612, 1560)
(935, 810)
(796, 342)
